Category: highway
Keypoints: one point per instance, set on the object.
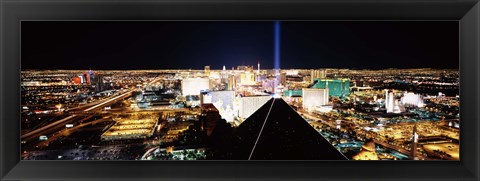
(112, 100)
(45, 128)
(66, 132)
(42, 129)
(396, 148)
(87, 109)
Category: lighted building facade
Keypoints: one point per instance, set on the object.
(130, 129)
(248, 105)
(231, 82)
(207, 70)
(192, 100)
(78, 80)
(389, 101)
(223, 102)
(367, 152)
(410, 98)
(292, 93)
(100, 84)
(392, 105)
(318, 74)
(336, 87)
(313, 98)
(247, 78)
(268, 85)
(283, 78)
(193, 86)
(89, 77)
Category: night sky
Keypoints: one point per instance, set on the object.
(193, 44)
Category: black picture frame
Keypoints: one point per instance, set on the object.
(467, 12)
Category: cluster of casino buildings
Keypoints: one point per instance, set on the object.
(237, 93)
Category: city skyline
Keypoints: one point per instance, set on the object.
(240, 90)
(192, 44)
(320, 114)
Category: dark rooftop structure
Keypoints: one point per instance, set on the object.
(278, 132)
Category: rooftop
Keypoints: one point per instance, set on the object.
(277, 132)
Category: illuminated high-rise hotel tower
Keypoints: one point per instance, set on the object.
(414, 143)
(389, 101)
(258, 67)
(207, 70)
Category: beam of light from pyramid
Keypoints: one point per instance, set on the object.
(277, 45)
(276, 64)
(261, 130)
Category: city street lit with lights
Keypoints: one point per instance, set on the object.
(256, 108)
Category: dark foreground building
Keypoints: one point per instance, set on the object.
(273, 132)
